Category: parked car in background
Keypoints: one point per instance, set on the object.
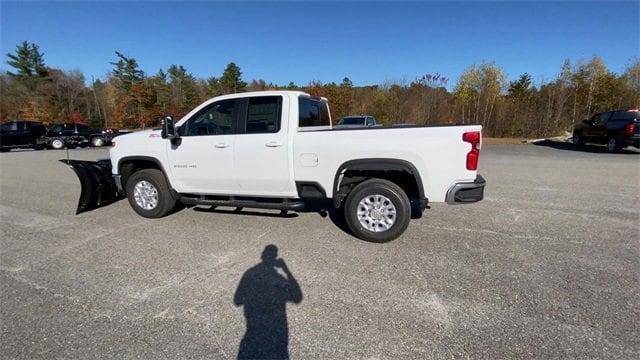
(357, 122)
(616, 129)
(72, 135)
(21, 135)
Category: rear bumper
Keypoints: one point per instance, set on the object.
(466, 192)
(634, 141)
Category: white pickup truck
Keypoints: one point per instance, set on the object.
(277, 150)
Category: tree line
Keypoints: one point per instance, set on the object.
(129, 98)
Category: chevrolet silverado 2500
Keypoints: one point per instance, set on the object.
(277, 150)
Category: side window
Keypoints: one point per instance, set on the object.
(263, 114)
(218, 118)
(369, 121)
(10, 126)
(312, 113)
(603, 118)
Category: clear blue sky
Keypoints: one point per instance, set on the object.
(369, 42)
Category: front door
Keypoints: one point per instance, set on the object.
(597, 131)
(201, 160)
(261, 151)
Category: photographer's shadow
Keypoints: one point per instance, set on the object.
(264, 293)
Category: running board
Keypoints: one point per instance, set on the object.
(244, 203)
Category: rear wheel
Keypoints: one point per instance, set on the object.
(58, 144)
(5, 149)
(149, 195)
(613, 145)
(377, 210)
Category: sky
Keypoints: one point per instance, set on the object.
(370, 42)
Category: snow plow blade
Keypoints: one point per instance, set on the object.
(97, 186)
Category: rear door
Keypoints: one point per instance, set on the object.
(24, 137)
(201, 161)
(262, 165)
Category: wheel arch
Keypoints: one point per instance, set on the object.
(130, 164)
(401, 172)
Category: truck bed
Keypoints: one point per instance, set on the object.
(437, 152)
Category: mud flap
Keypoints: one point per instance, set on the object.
(97, 186)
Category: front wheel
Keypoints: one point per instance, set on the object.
(377, 210)
(149, 195)
(577, 140)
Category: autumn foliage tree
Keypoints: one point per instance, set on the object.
(129, 98)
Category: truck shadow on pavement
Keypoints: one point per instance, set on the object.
(335, 215)
(596, 149)
(263, 292)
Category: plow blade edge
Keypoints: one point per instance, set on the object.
(97, 186)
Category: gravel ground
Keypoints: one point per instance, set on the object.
(546, 266)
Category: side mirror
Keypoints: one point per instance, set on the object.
(168, 128)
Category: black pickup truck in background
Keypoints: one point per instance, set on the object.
(22, 135)
(617, 129)
(72, 135)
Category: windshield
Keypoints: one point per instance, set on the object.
(352, 121)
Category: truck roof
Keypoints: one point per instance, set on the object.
(266, 93)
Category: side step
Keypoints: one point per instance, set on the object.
(255, 203)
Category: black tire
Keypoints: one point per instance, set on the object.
(165, 203)
(613, 145)
(387, 189)
(577, 140)
(5, 149)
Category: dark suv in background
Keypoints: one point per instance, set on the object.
(616, 129)
(22, 135)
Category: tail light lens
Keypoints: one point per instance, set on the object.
(630, 129)
(472, 137)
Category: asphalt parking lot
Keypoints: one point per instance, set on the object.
(546, 266)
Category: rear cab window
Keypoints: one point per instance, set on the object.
(313, 114)
(625, 115)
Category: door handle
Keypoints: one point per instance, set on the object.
(273, 144)
(221, 145)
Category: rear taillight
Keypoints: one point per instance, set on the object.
(630, 129)
(472, 137)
